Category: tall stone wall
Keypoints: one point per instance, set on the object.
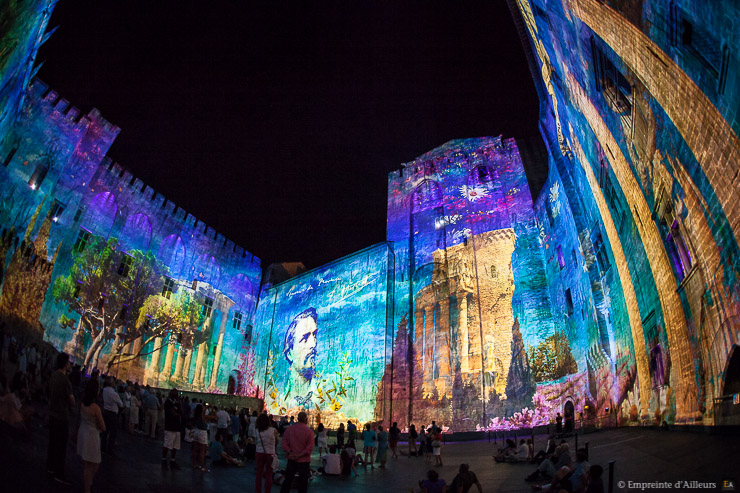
(644, 138)
(139, 287)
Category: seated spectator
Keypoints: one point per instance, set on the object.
(433, 483)
(521, 454)
(10, 406)
(571, 478)
(465, 480)
(218, 455)
(549, 449)
(352, 451)
(579, 473)
(348, 459)
(231, 448)
(505, 451)
(331, 462)
(550, 465)
(595, 483)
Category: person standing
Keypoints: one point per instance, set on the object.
(370, 445)
(393, 435)
(340, 436)
(172, 426)
(298, 445)
(151, 403)
(88, 436)
(382, 447)
(223, 421)
(267, 437)
(200, 439)
(60, 400)
(351, 431)
(133, 415)
(436, 444)
(111, 404)
(412, 440)
(322, 434)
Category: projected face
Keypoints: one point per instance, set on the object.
(300, 344)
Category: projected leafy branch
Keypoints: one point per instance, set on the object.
(335, 395)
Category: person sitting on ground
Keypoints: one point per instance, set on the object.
(348, 459)
(10, 406)
(549, 449)
(433, 483)
(521, 454)
(218, 455)
(551, 464)
(505, 451)
(231, 448)
(595, 483)
(465, 480)
(352, 451)
(331, 462)
(572, 478)
(578, 474)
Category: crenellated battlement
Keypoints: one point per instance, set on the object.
(94, 134)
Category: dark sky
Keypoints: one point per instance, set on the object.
(277, 122)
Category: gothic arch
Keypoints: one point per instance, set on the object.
(172, 254)
(136, 233)
(101, 214)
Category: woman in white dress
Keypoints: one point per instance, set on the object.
(323, 434)
(88, 436)
(133, 417)
(252, 423)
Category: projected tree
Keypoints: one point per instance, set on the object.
(105, 288)
(177, 318)
(552, 358)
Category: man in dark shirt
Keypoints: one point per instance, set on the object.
(393, 433)
(465, 480)
(172, 425)
(60, 400)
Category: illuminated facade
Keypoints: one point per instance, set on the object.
(617, 289)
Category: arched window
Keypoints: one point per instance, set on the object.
(100, 214)
(172, 254)
(136, 233)
(206, 269)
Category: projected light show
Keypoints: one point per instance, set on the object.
(613, 293)
(320, 338)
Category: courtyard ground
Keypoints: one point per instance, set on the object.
(641, 455)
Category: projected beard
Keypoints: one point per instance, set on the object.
(300, 346)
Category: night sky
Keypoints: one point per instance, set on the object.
(276, 122)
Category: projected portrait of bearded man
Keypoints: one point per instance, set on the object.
(299, 350)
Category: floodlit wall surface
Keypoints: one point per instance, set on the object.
(471, 297)
(105, 268)
(321, 339)
(640, 116)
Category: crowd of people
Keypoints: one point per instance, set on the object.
(555, 471)
(106, 406)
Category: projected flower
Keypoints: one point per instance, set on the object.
(444, 221)
(555, 199)
(461, 234)
(473, 193)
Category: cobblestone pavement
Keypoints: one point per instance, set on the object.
(641, 456)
